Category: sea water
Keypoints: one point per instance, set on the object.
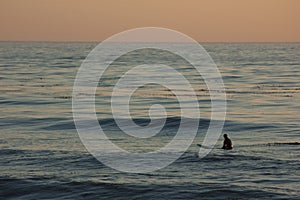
(42, 156)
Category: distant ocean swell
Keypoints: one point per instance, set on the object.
(171, 122)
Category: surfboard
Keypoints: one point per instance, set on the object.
(205, 147)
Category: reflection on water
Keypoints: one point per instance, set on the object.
(39, 145)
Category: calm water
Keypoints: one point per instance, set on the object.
(42, 156)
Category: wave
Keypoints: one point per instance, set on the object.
(171, 123)
(53, 188)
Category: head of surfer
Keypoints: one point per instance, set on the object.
(225, 136)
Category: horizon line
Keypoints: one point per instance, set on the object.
(92, 41)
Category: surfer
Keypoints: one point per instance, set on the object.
(227, 144)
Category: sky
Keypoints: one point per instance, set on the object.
(203, 20)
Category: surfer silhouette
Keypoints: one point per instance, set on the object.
(227, 144)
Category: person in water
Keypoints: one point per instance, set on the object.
(227, 144)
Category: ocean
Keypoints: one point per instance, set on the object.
(42, 156)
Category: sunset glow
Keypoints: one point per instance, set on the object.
(204, 20)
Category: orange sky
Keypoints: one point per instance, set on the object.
(203, 20)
